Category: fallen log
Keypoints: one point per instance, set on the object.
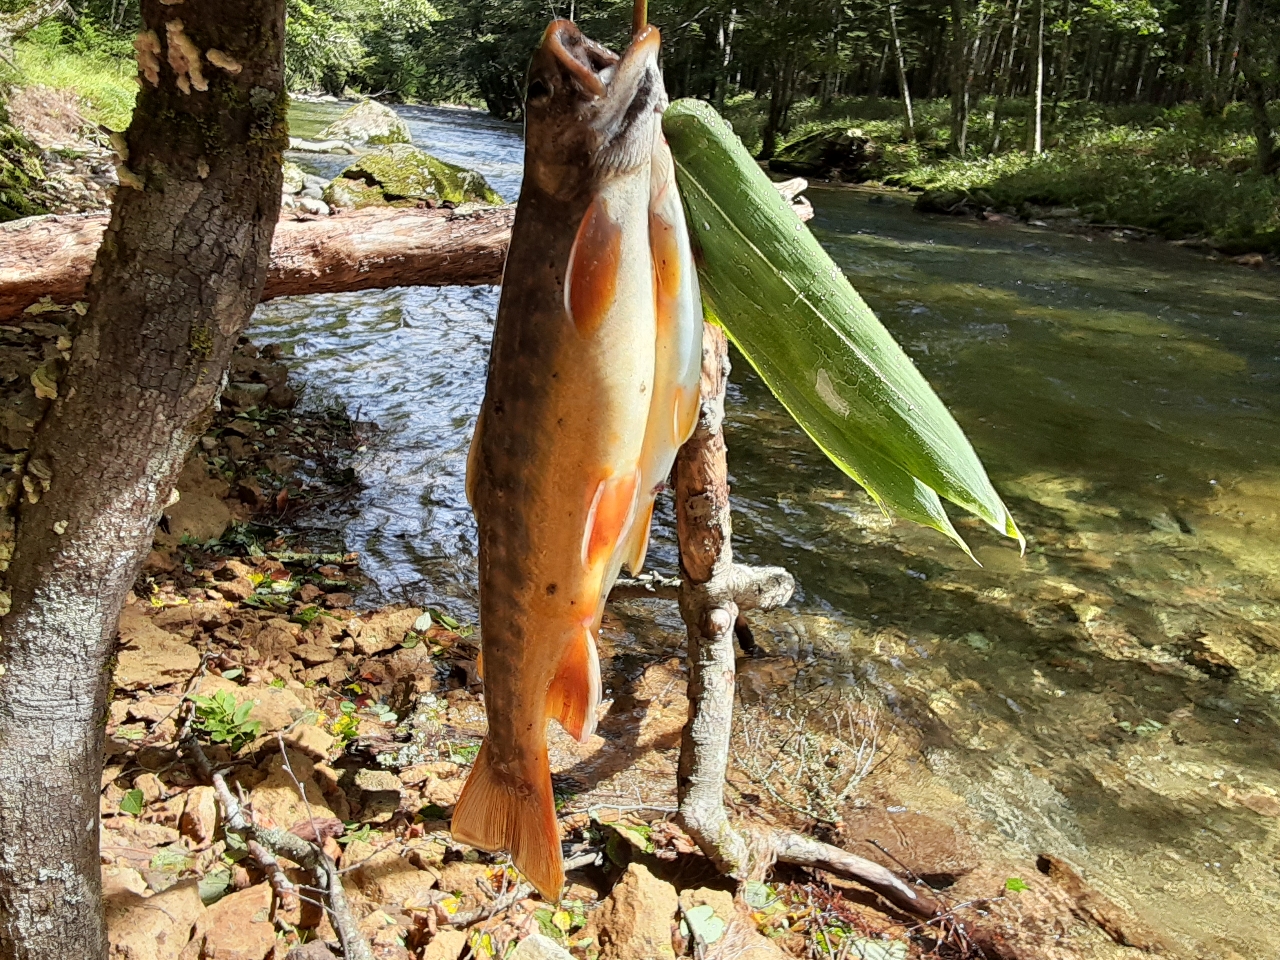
(369, 249)
(360, 250)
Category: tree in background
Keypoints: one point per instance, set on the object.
(179, 271)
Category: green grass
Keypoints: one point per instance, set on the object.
(103, 77)
(1171, 170)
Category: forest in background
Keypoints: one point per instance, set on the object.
(1145, 113)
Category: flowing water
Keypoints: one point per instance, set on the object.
(1113, 696)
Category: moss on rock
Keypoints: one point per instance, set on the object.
(21, 173)
(295, 178)
(402, 173)
(368, 123)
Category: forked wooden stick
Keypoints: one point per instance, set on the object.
(713, 591)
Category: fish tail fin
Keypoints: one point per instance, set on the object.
(574, 693)
(637, 543)
(497, 813)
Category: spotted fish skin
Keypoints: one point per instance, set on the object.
(555, 474)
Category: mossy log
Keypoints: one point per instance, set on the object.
(361, 250)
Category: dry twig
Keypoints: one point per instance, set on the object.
(275, 843)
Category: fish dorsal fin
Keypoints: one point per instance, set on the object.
(591, 280)
(574, 694)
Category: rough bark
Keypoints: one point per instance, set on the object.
(179, 271)
(363, 250)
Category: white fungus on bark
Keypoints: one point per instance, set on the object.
(147, 47)
(184, 57)
(222, 61)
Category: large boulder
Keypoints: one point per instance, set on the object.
(831, 154)
(402, 175)
(368, 123)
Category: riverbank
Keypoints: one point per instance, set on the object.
(326, 707)
(1171, 172)
(252, 627)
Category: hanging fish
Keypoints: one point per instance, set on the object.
(562, 464)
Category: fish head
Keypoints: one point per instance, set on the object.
(589, 113)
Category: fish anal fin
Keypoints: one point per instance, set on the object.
(591, 281)
(500, 811)
(609, 516)
(574, 693)
(637, 544)
(473, 461)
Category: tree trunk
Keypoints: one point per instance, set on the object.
(910, 129)
(1006, 81)
(1037, 133)
(1268, 158)
(363, 250)
(780, 93)
(1237, 40)
(959, 78)
(178, 273)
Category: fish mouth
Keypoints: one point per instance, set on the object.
(612, 93)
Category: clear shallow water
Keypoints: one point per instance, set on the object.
(1113, 696)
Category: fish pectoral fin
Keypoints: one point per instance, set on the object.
(574, 693)
(498, 811)
(612, 509)
(637, 543)
(473, 461)
(591, 278)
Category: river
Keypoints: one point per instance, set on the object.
(1113, 696)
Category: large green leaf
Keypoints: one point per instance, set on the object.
(816, 344)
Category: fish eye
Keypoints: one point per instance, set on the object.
(539, 91)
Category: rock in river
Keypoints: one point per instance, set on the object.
(402, 175)
(832, 154)
(368, 123)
